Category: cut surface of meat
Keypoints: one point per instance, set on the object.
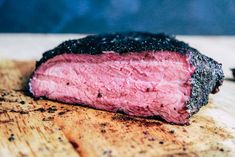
(144, 84)
(171, 81)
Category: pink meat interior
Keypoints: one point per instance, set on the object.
(139, 84)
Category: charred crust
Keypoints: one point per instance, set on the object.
(206, 79)
(118, 42)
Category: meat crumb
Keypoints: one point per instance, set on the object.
(11, 138)
(60, 139)
(103, 131)
(22, 102)
(51, 110)
(61, 113)
(151, 139)
(107, 153)
(161, 142)
(40, 109)
(221, 149)
(172, 131)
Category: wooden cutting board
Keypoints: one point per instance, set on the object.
(45, 128)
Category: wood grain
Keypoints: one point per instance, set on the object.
(45, 128)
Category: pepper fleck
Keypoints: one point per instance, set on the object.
(99, 95)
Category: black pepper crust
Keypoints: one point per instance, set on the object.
(206, 79)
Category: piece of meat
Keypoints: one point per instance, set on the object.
(140, 74)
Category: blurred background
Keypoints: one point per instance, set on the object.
(184, 17)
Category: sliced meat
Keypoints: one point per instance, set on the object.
(140, 74)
